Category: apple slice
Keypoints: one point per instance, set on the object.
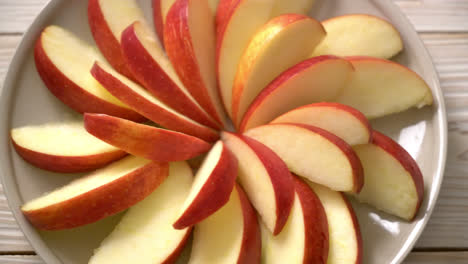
(344, 232)
(149, 106)
(63, 61)
(286, 7)
(151, 67)
(393, 180)
(213, 6)
(236, 23)
(63, 147)
(190, 40)
(102, 193)
(280, 44)
(359, 35)
(305, 237)
(305, 83)
(313, 153)
(107, 20)
(380, 87)
(145, 234)
(144, 141)
(160, 10)
(211, 188)
(231, 235)
(341, 120)
(265, 178)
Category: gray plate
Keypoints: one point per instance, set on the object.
(26, 101)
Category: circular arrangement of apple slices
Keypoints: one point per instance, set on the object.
(299, 93)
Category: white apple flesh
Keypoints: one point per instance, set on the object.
(145, 234)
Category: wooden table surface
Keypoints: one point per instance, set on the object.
(442, 24)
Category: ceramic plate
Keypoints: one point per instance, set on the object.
(26, 101)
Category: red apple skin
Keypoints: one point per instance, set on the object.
(215, 192)
(102, 202)
(358, 171)
(357, 229)
(146, 108)
(179, 48)
(281, 178)
(405, 159)
(73, 95)
(251, 247)
(149, 142)
(158, 20)
(315, 220)
(107, 43)
(278, 84)
(176, 253)
(150, 74)
(67, 164)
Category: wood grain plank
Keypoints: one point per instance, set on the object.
(426, 15)
(7, 49)
(11, 237)
(15, 259)
(413, 258)
(437, 258)
(436, 15)
(16, 16)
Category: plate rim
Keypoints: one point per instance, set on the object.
(47, 255)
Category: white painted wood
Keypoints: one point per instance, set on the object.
(21, 260)
(436, 15)
(437, 258)
(7, 48)
(11, 237)
(17, 15)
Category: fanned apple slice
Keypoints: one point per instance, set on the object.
(393, 180)
(63, 147)
(344, 232)
(211, 188)
(307, 82)
(151, 67)
(160, 10)
(213, 6)
(344, 121)
(145, 234)
(359, 35)
(190, 40)
(145, 141)
(380, 87)
(231, 235)
(102, 193)
(305, 237)
(63, 61)
(280, 44)
(236, 23)
(149, 106)
(265, 178)
(313, 153)
(287, 7)
(107, 20)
